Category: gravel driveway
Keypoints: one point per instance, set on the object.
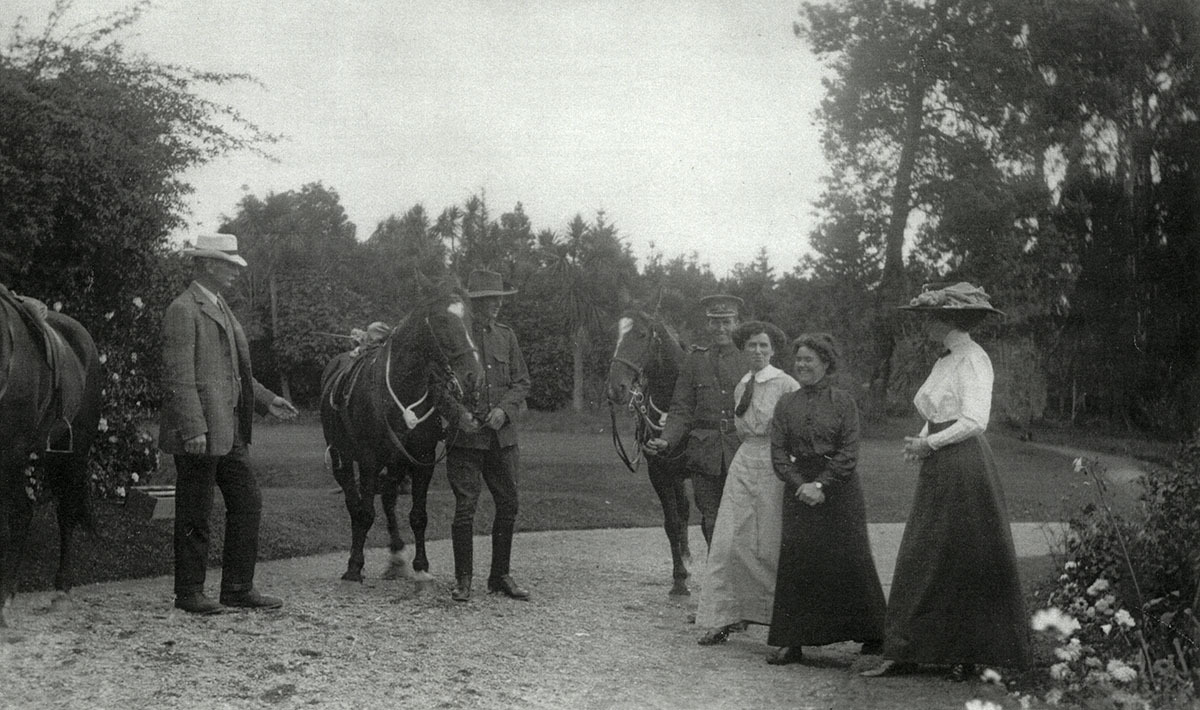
(600, 632)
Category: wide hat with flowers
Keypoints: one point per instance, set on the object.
(483, 283)
(961, 296)
(216, 246)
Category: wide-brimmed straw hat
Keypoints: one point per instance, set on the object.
(961, 296)
(216, 246)
(483, 283)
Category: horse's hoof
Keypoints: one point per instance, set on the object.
(352, 576)
(61, 601)
(680, 589)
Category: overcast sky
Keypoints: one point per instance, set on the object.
(689, 123)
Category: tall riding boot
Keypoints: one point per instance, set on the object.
(461, 540)
(499, 579)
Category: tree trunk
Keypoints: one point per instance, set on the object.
(577, 369)
(285, 389)
(893, 285)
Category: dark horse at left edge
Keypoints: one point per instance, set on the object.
(641, 378)
(49, 411)
(382, 414)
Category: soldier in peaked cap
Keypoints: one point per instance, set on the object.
(702, 408)
(209, 400)
(489, 456)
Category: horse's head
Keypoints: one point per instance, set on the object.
(642, 342)
(446, 313)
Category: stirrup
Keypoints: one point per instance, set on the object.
(70, 441)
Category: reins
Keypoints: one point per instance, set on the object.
(649, 420)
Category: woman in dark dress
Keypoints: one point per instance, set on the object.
(827, 589)
(956, 597)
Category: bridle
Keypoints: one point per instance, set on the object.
(648, 418)
(411, 420)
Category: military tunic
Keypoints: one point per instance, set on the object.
(702, 409)
(507, 385)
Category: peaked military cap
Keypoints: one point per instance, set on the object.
(721, 305)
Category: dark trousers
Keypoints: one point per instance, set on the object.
(196, 476)
(496, 467)
(707, 491)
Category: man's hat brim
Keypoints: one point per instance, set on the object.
(216, 254)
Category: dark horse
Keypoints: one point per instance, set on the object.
(383, 410)
(642, 378)
(49, 411)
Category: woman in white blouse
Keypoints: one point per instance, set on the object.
(738, 585)
(956, 597)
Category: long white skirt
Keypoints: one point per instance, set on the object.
(738, 583)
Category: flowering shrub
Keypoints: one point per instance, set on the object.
(1122, 610)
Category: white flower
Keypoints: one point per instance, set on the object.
(1078, 464)
(58, 305)
(133, 357)
(1053, 619)
(133, 477)
(1026, 702)
(1071, 652)
(102, 425)
(1106, 628)
(1100, 585)
(1070, 565)
(1060, 671)
(103, 358)
(1054, 696)
(982, 705)
(120, 491)
(990, 675)
(137, 301)
(1093, 662)
(1124, 618)
(109, 315)
(1120, 671)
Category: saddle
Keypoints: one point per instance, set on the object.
(63, 401)
(341, 383)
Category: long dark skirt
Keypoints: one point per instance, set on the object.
(956, 596)
(827, 589)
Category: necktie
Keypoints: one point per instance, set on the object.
(747, 395)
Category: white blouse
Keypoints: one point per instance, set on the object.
(770, 383)
(958, 389)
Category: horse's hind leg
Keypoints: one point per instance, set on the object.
(665, 482)
(418, 519)
(400, 561)
(68, 479)
(16, 511)
(360, 503)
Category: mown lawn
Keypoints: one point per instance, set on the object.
(571, 479)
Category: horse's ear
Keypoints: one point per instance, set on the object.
(424, 285)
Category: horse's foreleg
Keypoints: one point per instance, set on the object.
(664, 481)
(400, 560)
(418, 519)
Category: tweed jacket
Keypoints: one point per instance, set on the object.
(506, 387)
(201, 380)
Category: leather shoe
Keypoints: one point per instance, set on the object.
(250, 599)
(198, 604)
(462, 589)
(785, 655)
(890, 668)
(506, 585)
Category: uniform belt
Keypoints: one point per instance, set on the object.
(721, 425)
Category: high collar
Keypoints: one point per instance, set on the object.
(956, 339)
(819, 386)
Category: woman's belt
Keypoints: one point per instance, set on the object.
(935, 428)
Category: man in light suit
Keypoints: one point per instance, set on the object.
(209, 400)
